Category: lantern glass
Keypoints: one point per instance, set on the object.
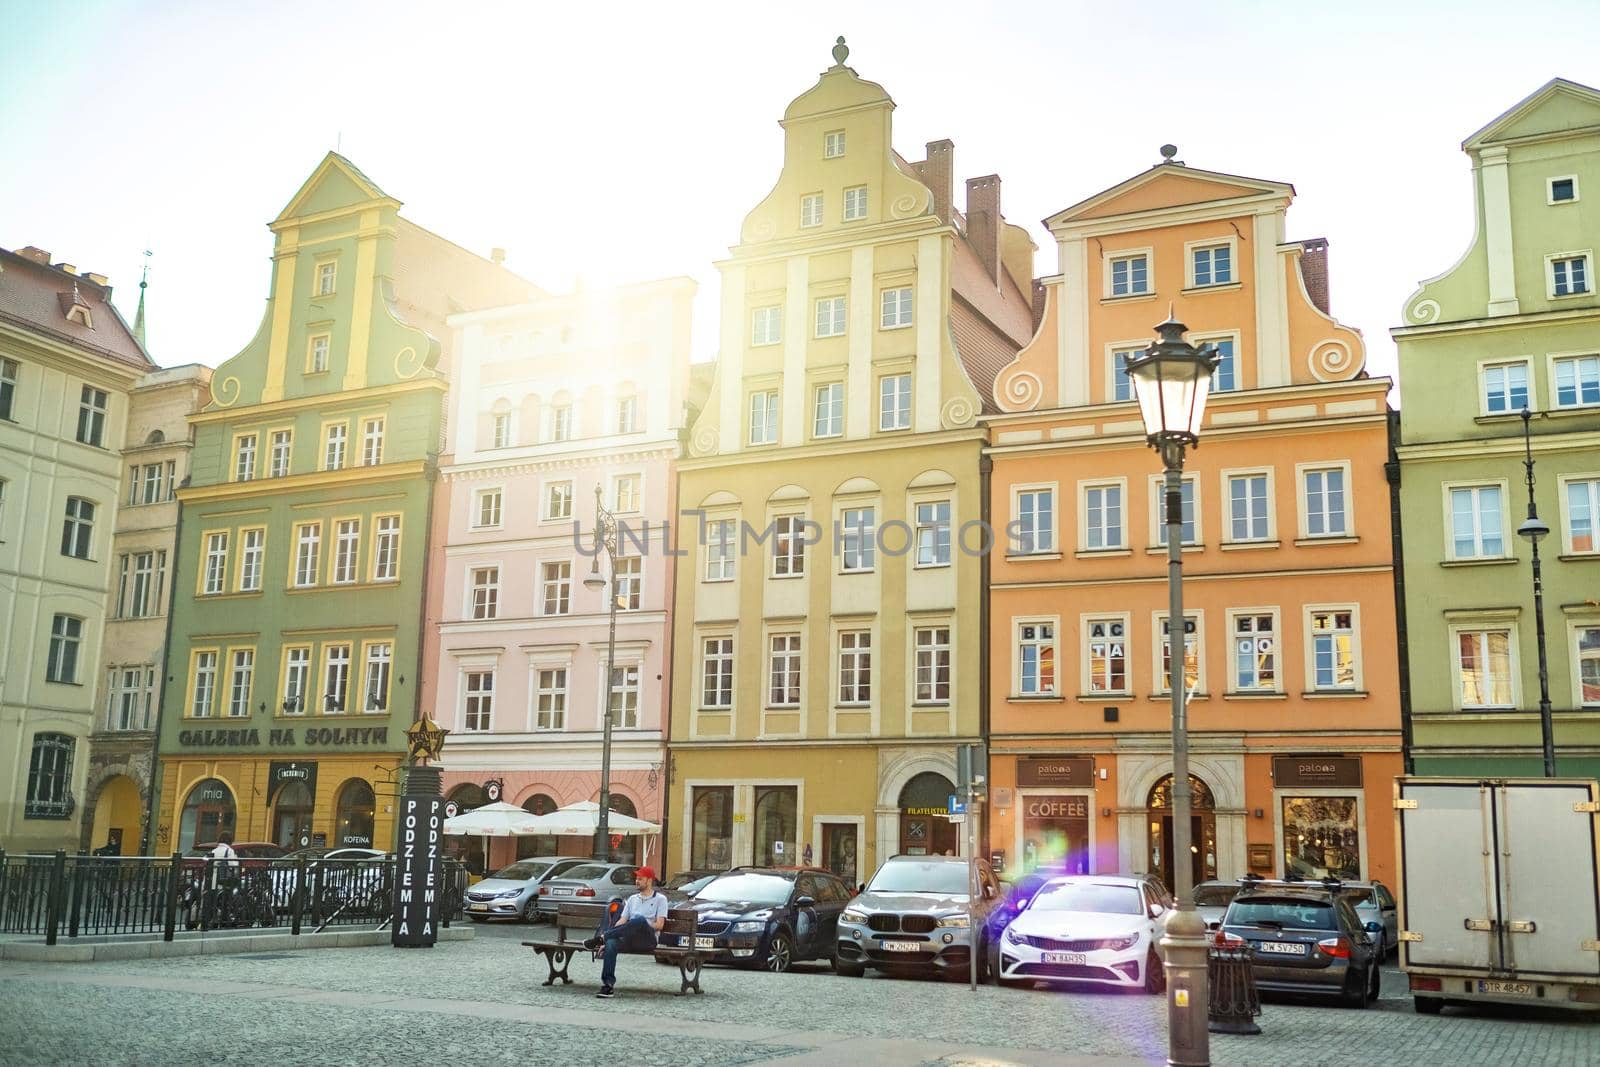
(1172, 381)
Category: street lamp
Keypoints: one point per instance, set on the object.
(1533, 530)
(1171, 380)
(605, 537)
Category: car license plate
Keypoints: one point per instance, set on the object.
(901, 946)
(1064, 957)
(477, 907)
(705, 942)
(561, 892)
(1520, 989)
(1283, 948)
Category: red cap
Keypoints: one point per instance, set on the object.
(646, 872)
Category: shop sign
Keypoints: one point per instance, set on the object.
(924, 811)
(421, 873)
(285, 737)
(280, 774)
(1055, 807)
(1055, 770)
(1289, 772)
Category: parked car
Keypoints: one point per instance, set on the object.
(585, 883)
(1103, 929)
(1304, 938)
(1211, 900)
(770, 916)
(913, 916)
(512, 892)
(685, 884)
(1374, 903)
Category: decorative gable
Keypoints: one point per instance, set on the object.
(1558, 107)
(1169, 185)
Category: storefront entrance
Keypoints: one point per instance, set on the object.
(354, 815)
(291, 816)
(1202, 831)
(839, 851)
(925, 827)
(1055, 832)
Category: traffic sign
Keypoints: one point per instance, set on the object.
(957, 806)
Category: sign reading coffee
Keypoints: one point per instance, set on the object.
(1307, 772)
(1055, 832)
(421, 872)
(1055, 770)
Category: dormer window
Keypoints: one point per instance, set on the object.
(833, 144)
(327, 275)
(1563, 190)
(80, 314)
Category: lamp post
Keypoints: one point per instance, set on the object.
(1533, 530)
(1171, 380)
(605, 537)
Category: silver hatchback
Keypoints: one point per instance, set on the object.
(588, 883)
(510, 893)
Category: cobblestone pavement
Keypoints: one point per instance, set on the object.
(481, 1002)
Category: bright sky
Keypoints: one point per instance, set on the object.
(620, 141)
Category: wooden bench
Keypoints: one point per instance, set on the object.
(576, 923)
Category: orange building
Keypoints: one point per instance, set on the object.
(1288, 575)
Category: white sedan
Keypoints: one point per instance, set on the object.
(1087, 928)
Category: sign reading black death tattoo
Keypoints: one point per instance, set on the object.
(419, 872)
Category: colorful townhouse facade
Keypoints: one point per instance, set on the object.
(294, 664)
(1513, 325)
(1294, 713)
(68, 363)
(553, 400)
(826, 648)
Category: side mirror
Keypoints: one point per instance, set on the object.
(1374, 928)
(1213, 926)
(988, 892)
(1156, 911)
(805, 902)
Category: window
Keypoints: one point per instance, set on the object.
(766, 325)
(1225, 379)
(829, 420)
(1102, 517)
(346, 550)
(386, 549)
(66, 640)
(1583, 515)
(561, 422)
(487, 512)
(1034, 529)
(933, 534)
(630, 582)
(1249, 518)
(333, 446)
(894, 402)
(149, 575)
(1505, 388)
(555, 587)
(1191, 653)
(859, 547)
(375, 689)
(1322, 835)
(1213, 265)
(371, 442)
(77, 529)
(239, 678)
(789, 546)
(1130, 275)
(244, 458)
(783, 673)
(716, 673)
(203, 698)
(1036, 659)
(1587, 639)
(8, 389)
(855, 203)
(932, 666)
(278, 464)
(550, 711)
(317, 360)
(326, 274)
(1483, 665)
(50, 777)
(335, 679)
(502, 430)
(480, 701)
(1569, 275)
(92, 405)
(147, 483)
(624, 701)
(1255, 652)
(719, 550)
(129, 705)
(1106, 649)
(1475, 526)
(252, 547)
(558, 500)
(307, 552)
(214, 579)
(1121, 384)
(811, 210)
(628, 414)
(855, 667)
(1324, 497)
(625, 493)
(485, 592)
(1333, 649)
(833, 144)
(1189, 530)
(764, 418)
(830, 316)
(896, 308)
(296, 679)
(1577, 381)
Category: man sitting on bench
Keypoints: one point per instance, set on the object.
(643, 915)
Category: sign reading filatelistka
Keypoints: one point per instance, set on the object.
(420, 873)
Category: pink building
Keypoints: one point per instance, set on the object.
(550, 400)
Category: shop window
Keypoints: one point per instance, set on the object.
(207, 812)
(354, 811)
(1321, 838)
(775, 819)
(1055, 832)
(925, 828)
(711, 832)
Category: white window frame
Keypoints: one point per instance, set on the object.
(722, 536)
(252, 558)
(376, 672)
(202, 702)
(307, 554)
(555, 584)
(372, 428)
(1249, 474)
(1019, 642)
(1158, 529)
(563, 422)
(1586, 255)
(855, 203)
(764, 415)
(1158, 651)
(214, 567)
(1448, 489)
(831, 316)
(1565, 483)
(1085, 488)
(244, 457)
(629, 583)
(1308, 626)
(477, 699)
(1231, 338)
(896, 308)
(1487, 365)
(1274, 635)
(385, 548)
(1127, 350)
(94, 407)
(1050, 535)
(548, 494)
(281, 455)
(628, 414)
(1485, 625)
(811, 208)
(858, 541)
(1088, 638)
(1550, 189)
(502, 429)
(792, 666)
(1576, 656)
(1108, 262)
(933, 535)
(483, 592)
(894, 402)
(319, 347)
(789, 546)
(346, 562)
(827, 413)
(241, 678)
(337, 659)
(335, 445)
(633, 502)
(833, 142)
(625, 682)
(494, 497)
(1302, 473)
(940, 660)
(856, 653)
(1192, 249)
(327, 277)
(766, 325)
(296, 669)
(554, 692)
(716, 672)
(1555, 360)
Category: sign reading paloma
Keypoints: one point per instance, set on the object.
(313, 735)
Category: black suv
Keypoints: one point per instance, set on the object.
(1304, 937)
(913, 915)
(769, 916)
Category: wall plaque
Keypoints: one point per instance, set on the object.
(1289, 772)
(1055, 770)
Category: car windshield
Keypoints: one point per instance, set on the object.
(694, 887)
(1358, 896)
(751, 887)
(587, 872)
(1089, 896)
(521, 872)
(1286, 914)
(1214, 896)
(914, 877)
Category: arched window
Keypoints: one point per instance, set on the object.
(467, 795)
(776, 841)
(538, 844)
(207, 812)
(924, 828)
(541, 804)
(711, 832)
(353, 815)
(1199, 794)
(50, 777)
(155, 437)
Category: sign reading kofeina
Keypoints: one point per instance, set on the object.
(1055, 770)
(421, 870)
(1311, 771)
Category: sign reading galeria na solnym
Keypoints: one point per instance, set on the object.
(420, 872)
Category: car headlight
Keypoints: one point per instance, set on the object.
(851, 915)
(1015, 938)
(507, 893)
(958, 921)
(750, 926)
(1117, 944)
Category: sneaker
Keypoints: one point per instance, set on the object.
(606, 993)
(594, 943)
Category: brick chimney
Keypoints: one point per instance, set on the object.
(36, 254)
(1314, 269)
(938, 173)
(983, 221)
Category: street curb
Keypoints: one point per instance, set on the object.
(38, 952)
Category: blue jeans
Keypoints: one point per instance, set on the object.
(635, 935)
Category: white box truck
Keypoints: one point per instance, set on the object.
(1499, 890)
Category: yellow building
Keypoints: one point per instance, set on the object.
(822, 672)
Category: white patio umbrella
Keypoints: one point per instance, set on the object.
(583, 818)
(492, 820)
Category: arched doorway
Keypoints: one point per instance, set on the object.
(539, 844)
(624, 849)
(291, 815)
(118, 815)
(925, 827)
(1202, 831)
(353, 813)
(208, 810)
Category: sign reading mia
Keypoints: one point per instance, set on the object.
(421, 870)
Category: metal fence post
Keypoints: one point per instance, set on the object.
(79, 872)
(170, 919)
(58, 874)
(5, 876)
(298, 904)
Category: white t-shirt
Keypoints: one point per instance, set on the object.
(229, 867)
(640, 906)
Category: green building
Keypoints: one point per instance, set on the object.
(297, 619)
(1514, 324)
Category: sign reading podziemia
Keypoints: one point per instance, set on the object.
(419, 872)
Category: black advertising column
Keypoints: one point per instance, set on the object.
(419, 843)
